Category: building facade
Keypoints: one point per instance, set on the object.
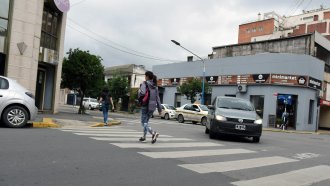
(272, 82)
(272, 26)
(31, 46)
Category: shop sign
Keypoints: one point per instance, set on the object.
(62, 5)
(229, 80)
(284, 79)
(166, 82)
(315, 83)
(212, 80)
(301, 80)
(260, 78)
(175, 81)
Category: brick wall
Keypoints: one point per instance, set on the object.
(301, 29)
(259, 28)
(326, 15)
(319, 27)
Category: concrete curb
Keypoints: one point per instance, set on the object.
(113, 122)
(296, 132)
(46, 123)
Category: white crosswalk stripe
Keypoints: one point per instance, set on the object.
(166, 145)
(172, 148)
(237, 165)
(300, 177)
(115, 135)
(135, 139)
(195, 153)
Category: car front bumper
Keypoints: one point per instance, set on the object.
(251, 130)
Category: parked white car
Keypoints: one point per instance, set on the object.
(17, 104)
(90, 103)
(192, 112)
(168, 112)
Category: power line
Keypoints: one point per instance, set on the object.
(121, 46)
(106, 44)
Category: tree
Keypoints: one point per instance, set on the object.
(193, 87)
(83, 72)
(118, 87)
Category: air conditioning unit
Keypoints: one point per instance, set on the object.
(241, 88)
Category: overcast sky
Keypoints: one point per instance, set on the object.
(140, 31)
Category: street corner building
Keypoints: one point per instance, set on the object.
(273, 82)
(31, 46)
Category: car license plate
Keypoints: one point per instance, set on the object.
(240, 127)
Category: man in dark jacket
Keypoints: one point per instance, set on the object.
(147, 110)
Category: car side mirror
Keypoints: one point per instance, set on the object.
(211, 107)
(259, 112)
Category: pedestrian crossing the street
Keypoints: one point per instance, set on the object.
(171, 147)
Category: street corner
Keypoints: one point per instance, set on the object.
(111, 123)
(45, 123)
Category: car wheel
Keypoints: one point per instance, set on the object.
(167, 117)
(204, 120)
(207, 130)
(256, 139)
(194, 122)
(180, 119)
(89, 107)
(15, 117)
(212, 134)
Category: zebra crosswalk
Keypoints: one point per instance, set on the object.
(171, 147)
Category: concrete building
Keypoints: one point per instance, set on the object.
(31, 46)
(272, 26)
(272, 82)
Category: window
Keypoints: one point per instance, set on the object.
(258, 103)
(49, 29)
(4, 9)
(261, 29)
(254, 29)
(4, 84)
(4, 12)
(188, 107)
(248, 30)
(311, 111)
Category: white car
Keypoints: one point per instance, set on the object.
(90, 103)
(168, 112)
(192, 112)
(17, 104)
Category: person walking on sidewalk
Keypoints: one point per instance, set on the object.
(148, 97)
(106, 100)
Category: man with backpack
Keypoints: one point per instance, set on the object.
(106, 100)
(148, 97)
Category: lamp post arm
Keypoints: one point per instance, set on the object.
(192, 53)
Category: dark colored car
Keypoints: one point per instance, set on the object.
(234, 116)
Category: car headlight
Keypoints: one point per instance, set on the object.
(220, 118)
(258, 121)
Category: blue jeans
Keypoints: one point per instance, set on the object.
(105, 110)
(145, 116)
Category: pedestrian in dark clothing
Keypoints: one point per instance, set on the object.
(149, 88)
(106, 100)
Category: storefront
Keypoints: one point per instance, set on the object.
(272, 82)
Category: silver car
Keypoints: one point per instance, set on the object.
(17, 104)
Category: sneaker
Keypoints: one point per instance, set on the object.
(154, 137)
(105, 124)
(142, 139)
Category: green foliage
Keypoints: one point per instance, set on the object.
(193, 87)
(118, 87)
(83, 72)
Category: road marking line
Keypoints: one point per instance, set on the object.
(299, 177)
(195, 153)
(115, 135)
(166, 145)
(135, 139)
(236, 165)
(107, 132)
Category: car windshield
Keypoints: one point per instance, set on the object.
(93, 100)
(171, 108)
(233, 103)
(204, 108)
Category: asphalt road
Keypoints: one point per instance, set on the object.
(78, 155)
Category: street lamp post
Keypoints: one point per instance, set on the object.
(203, 86)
